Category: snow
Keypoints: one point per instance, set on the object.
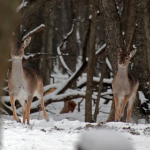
(28, 56)
(101, 48)
(59, 50)
(62, 60)
(142, 97)
(108, 64)
(22, 5)
(42, 25)
(83, 80)
(66, 135)
(104, 139)
(90, 17)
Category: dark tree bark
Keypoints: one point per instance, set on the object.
(100, 87)
(8, 19)
(147, 34)
(142, 59)
(113, 37)
(128, 20)
(91, 62)
(141, 41)
(45, 65)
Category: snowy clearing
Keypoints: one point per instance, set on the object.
(65, 134)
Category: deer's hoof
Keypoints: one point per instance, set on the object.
(116, 121)
(47, 120)
(19, 120)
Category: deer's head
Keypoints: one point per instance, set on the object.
(124, 58)
(17, 50)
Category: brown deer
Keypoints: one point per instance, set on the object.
(124, 85)
(24, 82)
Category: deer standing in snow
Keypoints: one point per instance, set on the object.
(24, 82)
(124, 85)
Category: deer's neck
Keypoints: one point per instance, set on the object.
(17, 70)
(122, 72)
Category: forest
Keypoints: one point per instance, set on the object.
(75, 45)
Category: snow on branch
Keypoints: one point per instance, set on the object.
(101, 48)
(59, 50)
(108, 64)
(22, 5)
(62, 61)
(36, 30)
(82, 81)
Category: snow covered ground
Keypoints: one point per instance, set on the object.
(65, 131)
(65, 134)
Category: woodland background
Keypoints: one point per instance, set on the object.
(75, 30)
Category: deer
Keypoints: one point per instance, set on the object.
(125, 85)
(24, 82)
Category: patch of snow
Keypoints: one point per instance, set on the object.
(101, 48)
(123, 33)
(90, 17)
(104, 139)
(22, 5)
(28, 56)
(142, 97)
(134, 46)
(65, 134)
(108, 64)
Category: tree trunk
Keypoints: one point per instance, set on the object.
(128, 20)
(8, 20)
(113, 37)
(147, 30)
(142, 42)
(100, 87)
(142, 59)
(91, 62)
(45, 65)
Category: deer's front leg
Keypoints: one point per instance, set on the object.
(116, 108)
(123, 105)
(12, 101)
(24, 107)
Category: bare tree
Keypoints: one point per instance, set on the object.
(113, 36)
(91, 59)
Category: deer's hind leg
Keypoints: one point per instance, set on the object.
(24, 106)
(24, 115)
(43, 108)
(12, 101)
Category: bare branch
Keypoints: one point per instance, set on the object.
(59, 50)
(36, 30)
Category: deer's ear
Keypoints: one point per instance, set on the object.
(26, 42)
(132, 53)
(119, 50)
